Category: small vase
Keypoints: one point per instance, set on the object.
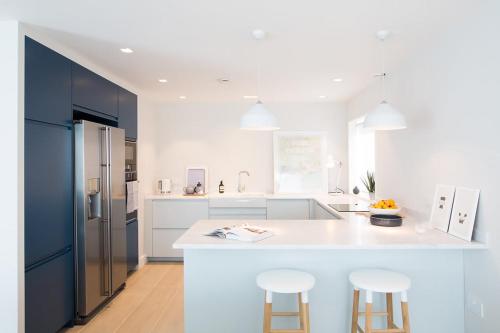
(372, 196)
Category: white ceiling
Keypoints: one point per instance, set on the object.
(193, 42)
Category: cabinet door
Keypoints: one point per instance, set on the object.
(48, 190)
(163, 239)
(179, 214)
(94, 92)
(127, 113)
(47, 85)
(289, 209)
(132, 244)
(49, 295)
(321, 213)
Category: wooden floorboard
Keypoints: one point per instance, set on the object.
(153, 301)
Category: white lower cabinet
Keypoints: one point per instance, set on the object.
(179, 214)
(163, 240)
(320, 213)
(288, 209)
(166, 220)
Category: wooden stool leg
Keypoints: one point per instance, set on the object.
(301, 312)
(390, 310)
(405, 312)
(305, 312)
(368, 312)
(268, 309)
(355, 311)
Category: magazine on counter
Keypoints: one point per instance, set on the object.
(244, 232)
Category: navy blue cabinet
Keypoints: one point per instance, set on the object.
(132, 244)
(47, 85)
(127, 112)
(48, 190)
(93, 92)
(48, 181)
(49, 292)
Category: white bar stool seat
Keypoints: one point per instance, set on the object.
(379, 281)
(286, 281)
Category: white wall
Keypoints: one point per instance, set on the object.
(201, 134)
(449, 93)
(12, 196)
(147, 160)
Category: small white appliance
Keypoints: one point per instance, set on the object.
(164, 186)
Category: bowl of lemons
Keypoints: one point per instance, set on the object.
(385, 207)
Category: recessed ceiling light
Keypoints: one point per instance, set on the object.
(338, 79)
(250, 97)
(127, 50)
(162, 80)
(182, 97)
(322, 96)
(223, 80)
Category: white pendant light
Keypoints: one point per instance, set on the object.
(384, 117)
(258, 118)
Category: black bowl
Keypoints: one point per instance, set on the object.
(386, 220)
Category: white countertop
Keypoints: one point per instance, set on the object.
(354, 232)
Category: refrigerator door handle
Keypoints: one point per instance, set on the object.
(105, 167)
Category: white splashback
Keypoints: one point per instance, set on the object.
(208, 134)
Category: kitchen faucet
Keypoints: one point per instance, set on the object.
(241, 186)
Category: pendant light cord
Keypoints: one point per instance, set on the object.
(384, 72)
(258, 70)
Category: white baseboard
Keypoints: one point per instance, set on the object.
(142, 261)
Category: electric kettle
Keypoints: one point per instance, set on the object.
(164, 186)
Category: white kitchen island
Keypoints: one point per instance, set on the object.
(221, 294)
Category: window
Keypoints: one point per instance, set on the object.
(361, 153)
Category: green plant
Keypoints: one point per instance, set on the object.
(369, 181)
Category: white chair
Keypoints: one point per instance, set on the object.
(286, 281)
(379, 281)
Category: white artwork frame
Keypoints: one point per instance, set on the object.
(464, 211)
(300, 162)
(196, 174)
(442, 206)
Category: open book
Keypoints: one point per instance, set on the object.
(244, 232)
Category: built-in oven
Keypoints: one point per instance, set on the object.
(130, 171)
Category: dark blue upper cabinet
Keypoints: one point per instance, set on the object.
(93, 92)
(127, 107)
(48, 195)
(47, 84)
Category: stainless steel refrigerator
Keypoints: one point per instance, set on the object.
(100, 224)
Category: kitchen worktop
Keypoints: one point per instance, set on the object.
(353, 232)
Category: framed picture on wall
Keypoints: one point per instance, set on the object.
(300, 162)
(463, 214)
(442, 206)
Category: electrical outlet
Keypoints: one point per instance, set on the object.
(476, 307)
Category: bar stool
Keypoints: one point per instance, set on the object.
(379, 281)
(286, 281)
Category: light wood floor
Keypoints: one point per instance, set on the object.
(151, 302)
